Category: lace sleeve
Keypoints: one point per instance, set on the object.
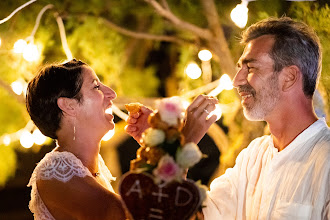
(61, 166)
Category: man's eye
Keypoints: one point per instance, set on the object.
(97, 87)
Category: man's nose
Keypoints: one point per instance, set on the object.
(240, 78)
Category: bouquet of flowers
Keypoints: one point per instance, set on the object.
(156, 180)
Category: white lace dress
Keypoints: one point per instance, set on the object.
(61, 166)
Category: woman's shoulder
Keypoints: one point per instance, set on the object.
(61, 166)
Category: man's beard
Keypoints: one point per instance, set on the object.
(264, 100)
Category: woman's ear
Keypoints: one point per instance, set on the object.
(67, 105)
(289, 77)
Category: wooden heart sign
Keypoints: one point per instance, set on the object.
(147, 200)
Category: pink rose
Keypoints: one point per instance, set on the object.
(167, 170)
(171, 110)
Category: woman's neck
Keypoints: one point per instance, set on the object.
(86, 151)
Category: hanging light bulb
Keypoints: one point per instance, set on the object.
(31, 52)
(26, 139)
(6, 140)
(193, 71)
(217, 112)
(239, 14)
(108, 135)
(224, 83)
(204, 55)
(17, 87)
(38, 137)
(19, 46)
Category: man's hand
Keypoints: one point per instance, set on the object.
(198, 119)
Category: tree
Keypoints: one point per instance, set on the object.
(150, 40)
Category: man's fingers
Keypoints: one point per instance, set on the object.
(196, 102)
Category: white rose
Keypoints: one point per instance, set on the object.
(152, 137)
(188, 155)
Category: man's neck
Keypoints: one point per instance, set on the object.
(285, 130)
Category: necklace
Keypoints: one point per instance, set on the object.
(96, 174)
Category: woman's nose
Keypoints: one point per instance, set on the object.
(109, 93)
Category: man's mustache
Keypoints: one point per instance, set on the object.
(247, 89)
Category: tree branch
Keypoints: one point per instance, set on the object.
(165, 5)
(145, 35)
(212, 16)
(20, 98)
(178, 23)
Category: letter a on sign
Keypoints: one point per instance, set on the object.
(135, 188)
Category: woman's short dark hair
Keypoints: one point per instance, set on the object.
(295, 44)
(52, 82)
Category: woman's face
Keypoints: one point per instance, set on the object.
(96, 99)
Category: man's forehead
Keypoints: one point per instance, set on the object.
(257, 47)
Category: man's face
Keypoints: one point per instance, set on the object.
(256, 81)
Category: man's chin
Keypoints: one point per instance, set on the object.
(251, 115)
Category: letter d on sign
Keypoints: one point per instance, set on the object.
(183, 196)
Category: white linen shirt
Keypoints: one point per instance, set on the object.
(266, 184)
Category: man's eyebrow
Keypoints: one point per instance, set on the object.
(245, 61)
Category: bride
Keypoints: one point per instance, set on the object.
(67, 102)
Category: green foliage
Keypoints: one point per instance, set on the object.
(12, 113)
(320, 21)
(137, 83)
(100, 47)
(7, 164)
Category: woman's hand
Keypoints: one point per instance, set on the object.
(137, 123)
(198, 119)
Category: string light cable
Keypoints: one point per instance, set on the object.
(63, 37)
(16, 10)
(36, 26)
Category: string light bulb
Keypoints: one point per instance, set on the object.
(6, 140)
(108, 135)
(224, 83)
(26, 139)
(239, 14)
(38, 137)
(204, 55)
(19, 46)
(17, 87)
(193, 71)
(31, 53)
(217, 112)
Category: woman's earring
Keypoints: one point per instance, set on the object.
(74, 129)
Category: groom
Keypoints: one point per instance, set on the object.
(285, 175)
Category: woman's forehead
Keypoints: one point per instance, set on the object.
(89, 76)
